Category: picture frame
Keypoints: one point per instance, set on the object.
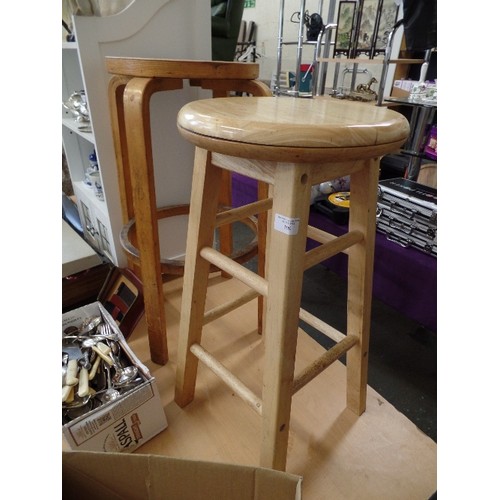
(388, 18)
(122, 296)
(345, 21)
(368, 27)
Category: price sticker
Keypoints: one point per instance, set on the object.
(286, 225)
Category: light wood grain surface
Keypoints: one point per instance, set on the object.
(180, 68)
(283, 121)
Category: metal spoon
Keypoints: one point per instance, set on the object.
(89, 324)
(123, 375)
(65, 358)
(110, 394)
(77, 401)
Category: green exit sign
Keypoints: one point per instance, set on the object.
(249, 3)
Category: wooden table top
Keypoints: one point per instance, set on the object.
(285, 122)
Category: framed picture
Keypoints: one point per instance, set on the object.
(388, 18)
(367, 26)
(121, 295)
(345, 20)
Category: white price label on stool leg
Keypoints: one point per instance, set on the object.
(286, 225)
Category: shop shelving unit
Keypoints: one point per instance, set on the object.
(144, 29)
(323, 47)
(300, 42)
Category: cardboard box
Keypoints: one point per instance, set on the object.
(126, 423)
(135, 476)
(402, 88)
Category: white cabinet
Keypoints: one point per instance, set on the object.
(171, 29)
(78, 144)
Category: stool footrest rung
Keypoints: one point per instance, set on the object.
(323, 362)
(226, 376)
(327, 250)
(319, 235)
(236, 270)
(236, 214)
(227, 307)
(321, 326)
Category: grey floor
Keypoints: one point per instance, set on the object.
(403, 355)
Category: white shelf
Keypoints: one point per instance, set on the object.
(74, 127)
(89, 194)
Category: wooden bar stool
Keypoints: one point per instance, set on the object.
(290, 144)
(130, 90)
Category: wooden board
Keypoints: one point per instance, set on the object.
(380, 455)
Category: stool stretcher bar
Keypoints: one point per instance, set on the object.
(240, 213)
(326, 250)
(323, 362)
(319, 235)
(321, 326)
(306, 376)
(226, 376)
(234, 269)
(227, 307)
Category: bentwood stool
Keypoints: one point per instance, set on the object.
(131, 89)
(290, 144)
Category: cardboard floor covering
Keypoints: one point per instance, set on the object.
(379, 455)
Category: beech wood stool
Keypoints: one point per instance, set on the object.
(290, 144)
(131, 88)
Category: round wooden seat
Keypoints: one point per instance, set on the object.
(299, 130)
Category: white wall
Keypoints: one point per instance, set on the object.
(266, 15)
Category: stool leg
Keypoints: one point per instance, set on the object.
(203, 210)
(138, 129)
(263, 193)
(285, 257)
(225, 199)
(226, 231)
(363, 204)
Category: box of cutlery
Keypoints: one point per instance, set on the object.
(110, 401)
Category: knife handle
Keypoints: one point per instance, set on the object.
(71, 394)
(65, 392)
(95, 366)
(83, 383)
(71, 373)
(102, 355)
(104, 348)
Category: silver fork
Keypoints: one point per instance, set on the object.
(105, 330)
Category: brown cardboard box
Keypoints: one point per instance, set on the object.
(110, 476)
(402, 88)
(398, 92)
